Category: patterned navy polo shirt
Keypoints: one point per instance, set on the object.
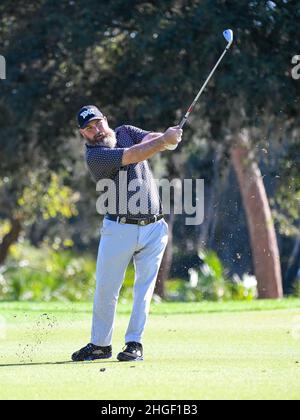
(105, 162)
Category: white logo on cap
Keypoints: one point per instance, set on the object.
(84, 114)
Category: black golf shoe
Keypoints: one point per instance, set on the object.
(92, 352)
(132, 352)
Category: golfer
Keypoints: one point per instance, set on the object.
(142, 236)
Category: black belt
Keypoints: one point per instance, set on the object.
(132, 221)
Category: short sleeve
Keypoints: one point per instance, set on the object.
(103, 162)
(137, 134)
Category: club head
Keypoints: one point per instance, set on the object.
(228, 35)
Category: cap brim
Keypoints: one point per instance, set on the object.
(91, 119)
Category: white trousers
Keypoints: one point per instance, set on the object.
(118, 244)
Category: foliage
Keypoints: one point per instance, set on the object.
(42, 198)
(287, 200)
(212, 280)
(42, 194)
(213, 283)
(46, 274)
(126, 292)
(57, 65)
(57, 273)
(142, 64)
(52, 273)
(296, 290)
(243, 289)
(50, 200)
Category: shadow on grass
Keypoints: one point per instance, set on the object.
(67, 362)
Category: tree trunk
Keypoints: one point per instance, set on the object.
(166, 263)
(11, 237)
(265, 253)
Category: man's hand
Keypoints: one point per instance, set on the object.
(172, 137)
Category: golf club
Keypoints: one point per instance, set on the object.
(228, 35)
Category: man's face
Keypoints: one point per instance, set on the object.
(99, 132)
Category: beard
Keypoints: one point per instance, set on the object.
(107, 140)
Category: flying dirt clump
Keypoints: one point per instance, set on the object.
(38, 334)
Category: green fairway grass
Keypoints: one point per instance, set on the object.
(231, 350)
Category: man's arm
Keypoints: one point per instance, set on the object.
(152, 143)
(151, 136)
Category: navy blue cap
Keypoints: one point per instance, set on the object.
(88, 113)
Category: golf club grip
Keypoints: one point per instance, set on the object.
(182, 122)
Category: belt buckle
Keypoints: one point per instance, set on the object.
(122, 220)
(142, 222)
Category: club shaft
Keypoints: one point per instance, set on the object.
(184, 119)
